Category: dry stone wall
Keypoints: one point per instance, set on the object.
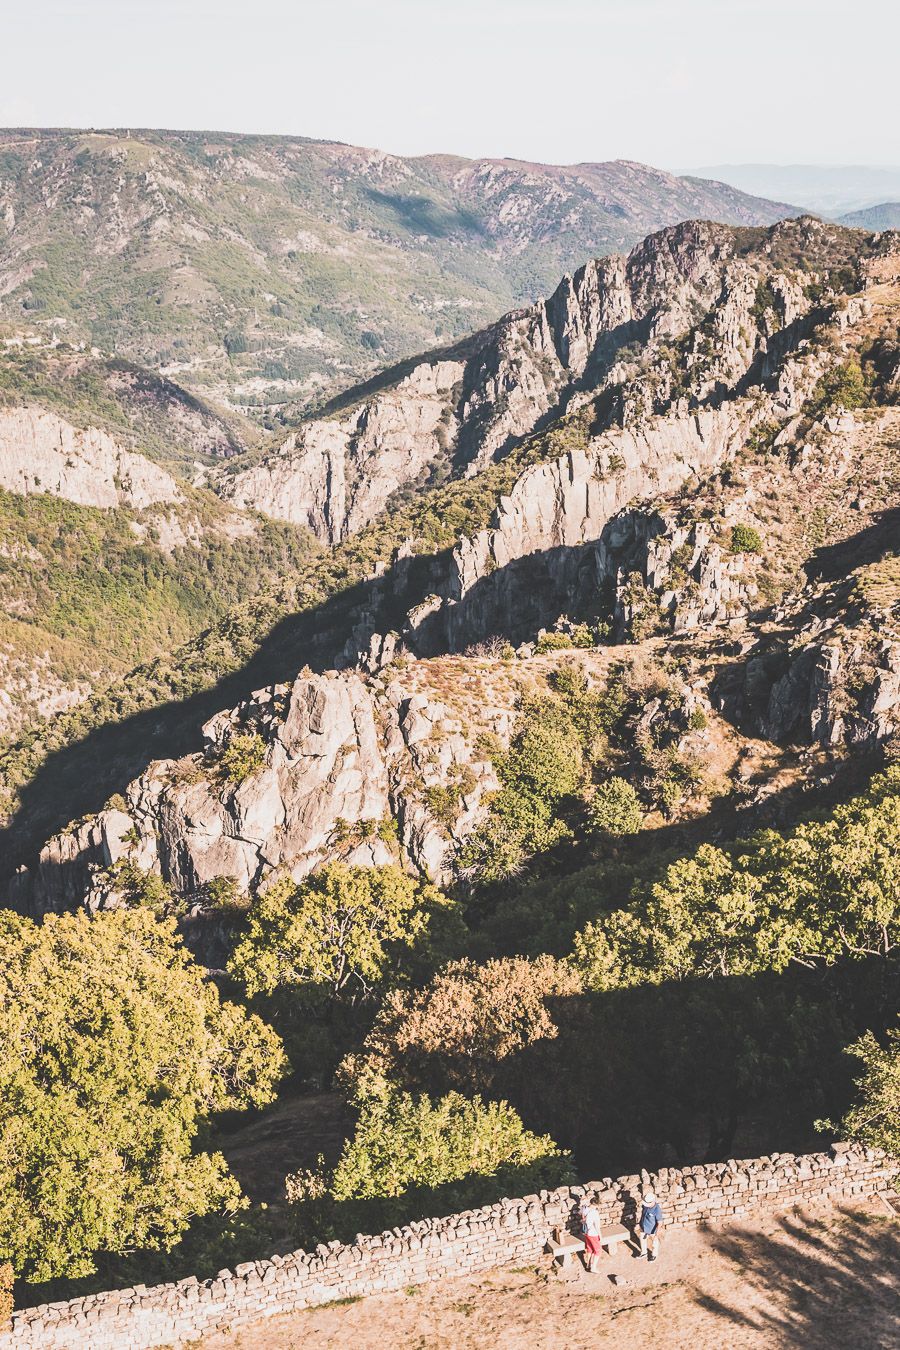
(477, 1240)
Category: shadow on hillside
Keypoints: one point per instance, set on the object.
(832, 562)
(689, 1070)
(510, 603)
(820, 1285)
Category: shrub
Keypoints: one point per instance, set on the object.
(133, 886)
(745, 539)
(847, 386)
(874, 1119)
(242, 757)
(615, 809)
(553, 642)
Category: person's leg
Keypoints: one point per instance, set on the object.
(653, 1243)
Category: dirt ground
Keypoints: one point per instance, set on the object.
(823, 1280)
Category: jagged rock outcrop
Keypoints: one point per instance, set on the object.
(347, 769)
(470, 404)
(41, 452)
(680, 570)
(840, 689)
(335, 474)
(544, 553)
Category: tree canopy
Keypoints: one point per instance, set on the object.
(337, 934)
(115, 1049)
(404, 1141)
(830, 889)
(468, 1020)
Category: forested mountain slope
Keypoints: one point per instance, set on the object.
(273, 270)
(109, 553)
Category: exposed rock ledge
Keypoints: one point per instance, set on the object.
(342, 748)
(41, 452)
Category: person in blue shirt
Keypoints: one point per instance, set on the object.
(649, 1225)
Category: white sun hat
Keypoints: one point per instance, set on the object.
(648, 1198)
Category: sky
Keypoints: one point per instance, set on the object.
(678, 84)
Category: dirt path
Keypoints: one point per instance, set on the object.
(828, 1280)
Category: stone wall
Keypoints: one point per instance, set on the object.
(509, 1231)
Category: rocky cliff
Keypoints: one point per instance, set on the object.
(345, 766)
(41, 452)
(684, 481)
(461, 409)
(609, 339)
(255, 230)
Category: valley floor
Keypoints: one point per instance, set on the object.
(828, 1279)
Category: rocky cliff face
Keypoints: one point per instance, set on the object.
(469, 406)
(363, 769)
(829, 673)
(41, 452)
(690, 313)
(336, 474)
(636, 485)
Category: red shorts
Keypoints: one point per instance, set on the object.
(592, 1245)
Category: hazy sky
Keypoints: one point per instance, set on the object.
(678, 83)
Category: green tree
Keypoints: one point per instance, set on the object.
(403, 1141)
(745, 539)
(874, 1118)
(543, 767)
(615, 809)
(242, 757)
(829, 890)
(338, 934)
(115, 1050)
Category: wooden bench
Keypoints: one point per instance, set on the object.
(563, 1246)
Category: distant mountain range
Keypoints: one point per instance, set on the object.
(827, 189)
(885, 216)
(266, 271)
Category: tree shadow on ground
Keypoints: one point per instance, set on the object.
(833, 562)
(815, 1284)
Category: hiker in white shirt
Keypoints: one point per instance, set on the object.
(591, 1228)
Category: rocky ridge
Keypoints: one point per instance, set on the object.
(206, 254)
(458, 410)
(337, 745)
